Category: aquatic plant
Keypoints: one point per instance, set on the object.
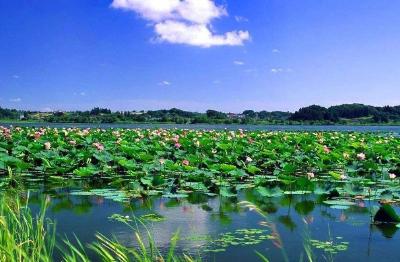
(106, 249)
(239, 237)
(341, 169)
(214, 162)
(110, 249)
(24, 237)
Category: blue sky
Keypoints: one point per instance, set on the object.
(198, 54)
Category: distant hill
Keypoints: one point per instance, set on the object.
(348, 112)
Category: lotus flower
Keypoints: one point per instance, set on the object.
(392, 176)
(310, 175)
(175, 139)
(361, 156)
(37, 135)
(98, 146)
(185, 162)
(6, 132)
(47, 145)
(327, 150)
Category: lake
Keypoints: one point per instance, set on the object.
(286, 195)
(339, 128)
(222, 229)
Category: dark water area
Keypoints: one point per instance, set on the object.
(205, 222)
(338, 128)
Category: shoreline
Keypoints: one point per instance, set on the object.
(10, 122)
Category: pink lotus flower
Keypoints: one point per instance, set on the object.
(327, 150)
(185, 162)
(47, 145)
(361, 156)
(162, 161)
(6, 132)
(72, 142)
(310, 175)
(392, 176)
(98, 146)
(177, 145)
(37, 135)
(85, 132)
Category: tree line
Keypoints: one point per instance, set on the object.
(348, 112)
(314, 114)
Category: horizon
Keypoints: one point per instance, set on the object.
(223, 55)
(199, 112)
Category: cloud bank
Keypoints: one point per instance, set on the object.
(184, 21)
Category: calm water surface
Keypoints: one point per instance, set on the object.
(200, 218)
(384, 129)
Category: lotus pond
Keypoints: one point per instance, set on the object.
(219, 195)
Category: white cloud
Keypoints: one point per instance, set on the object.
(164, 83)
(15, 76)
(15, 100)
(279, 70)
(195, 11)
(239, 63)
(197, 35)
(155, 10)
(184, 21)
(200, 11)
(276, 50)
(241, 19)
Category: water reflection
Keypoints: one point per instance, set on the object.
(286, 220)
(388, 230)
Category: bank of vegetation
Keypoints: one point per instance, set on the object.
(356, 114)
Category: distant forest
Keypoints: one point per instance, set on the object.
(341, 114)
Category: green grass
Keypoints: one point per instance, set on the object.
(28, 238)
(22, 236)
